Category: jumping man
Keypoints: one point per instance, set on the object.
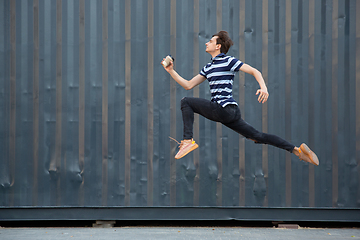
(222, 107)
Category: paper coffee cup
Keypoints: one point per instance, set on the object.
(167, 61)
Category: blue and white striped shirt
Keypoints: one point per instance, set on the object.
(220, 73)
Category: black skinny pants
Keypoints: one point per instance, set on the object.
(230, 116)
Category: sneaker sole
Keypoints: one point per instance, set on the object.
(191, 149)
(310, 154)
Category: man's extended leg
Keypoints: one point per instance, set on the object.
(245, 129)
(248, 131)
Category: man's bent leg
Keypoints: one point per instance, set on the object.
(191, 105)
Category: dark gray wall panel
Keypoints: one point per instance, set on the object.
(86, 109)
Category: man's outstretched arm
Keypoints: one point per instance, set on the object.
(262, 92)
(186, 84)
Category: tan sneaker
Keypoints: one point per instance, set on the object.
(307, 155)
(186, 146)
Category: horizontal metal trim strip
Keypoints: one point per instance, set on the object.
(180, 213)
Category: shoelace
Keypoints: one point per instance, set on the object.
(180, 144)
(302, 155)
(174, 140)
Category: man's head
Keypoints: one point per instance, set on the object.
(225, 41)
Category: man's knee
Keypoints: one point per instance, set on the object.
(183, 101)
(258, 137)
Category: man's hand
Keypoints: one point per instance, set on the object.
(263, 95)
(170, 67)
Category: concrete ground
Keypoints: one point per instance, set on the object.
(176, 232)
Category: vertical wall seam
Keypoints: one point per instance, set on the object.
(357, 81)
(265, 16)
(173, 103)
(311, 98)
(12, 145)
(196, 93)
(58, 137)
(127, 99)
(35, 101)
(334, 97)
(242, 179)
(81, 98)
(219, 126)
(105, 134)
(288, 97)
(150, 153)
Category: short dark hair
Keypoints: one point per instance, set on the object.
(225, 41)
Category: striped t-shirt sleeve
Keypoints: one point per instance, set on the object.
(236, 65)
(202, 72)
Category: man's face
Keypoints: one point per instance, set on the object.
(211, 45)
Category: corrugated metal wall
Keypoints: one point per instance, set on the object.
(86, 108)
